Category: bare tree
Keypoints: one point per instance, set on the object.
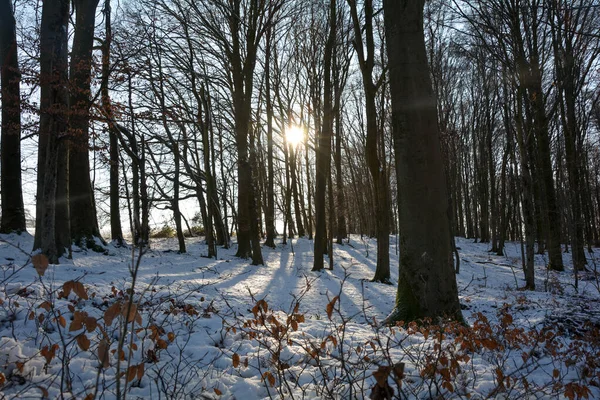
(82, 207)
(49, 236)
(366, 60)
(13, 211)
(324, 145)
(426, 283)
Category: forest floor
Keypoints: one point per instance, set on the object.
(204, 328)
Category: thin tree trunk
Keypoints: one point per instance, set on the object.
(324, 146)
(116, 231)
(270, 200)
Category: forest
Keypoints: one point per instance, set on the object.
(300, 199)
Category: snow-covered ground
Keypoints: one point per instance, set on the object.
(205, 328)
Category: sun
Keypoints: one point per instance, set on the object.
(294, 135)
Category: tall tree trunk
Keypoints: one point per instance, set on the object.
(53, 122)
(523, 139)
(82, 208)
(270, 200)
(257, 258)
(530, 76)
(242, 71)
(567, 77)
(175, 201)
(376, 169)
(116, 231)
(13, 211)
(324, 146)
(342, 231)
(426, 283)
(295, 196)
(210, 187)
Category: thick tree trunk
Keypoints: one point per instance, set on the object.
(426, 283)
(13, 211)
(82, 208)
(53, 122)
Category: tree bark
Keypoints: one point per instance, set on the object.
(376, 169)
(270, 200)
(426, 283)
(324, 146)
(53, 123)
(116, 231)
(13, 211)
(82, 207)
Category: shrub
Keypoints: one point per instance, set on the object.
(163, 233)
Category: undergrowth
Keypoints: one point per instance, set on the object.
(140, 337)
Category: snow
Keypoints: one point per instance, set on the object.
(199, 315)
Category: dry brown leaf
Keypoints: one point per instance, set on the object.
(271, 379)
(83, 342)
(138, 318)
(2, 379)
(333, 340)
(67, 288)
(90, 396)
(132, 312)
(40, 263)
(49, 352)
(171, 336)
(79, 290)
(399, 371)
(62, 321)
(161, 344)
(45, 305)
(140, 371)
(217, 392)
(111, 313)
(381, 375)
(103, 353)
(330, 306)
(77, 323)
(236, 360)
(131, 373)
(91, 323)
